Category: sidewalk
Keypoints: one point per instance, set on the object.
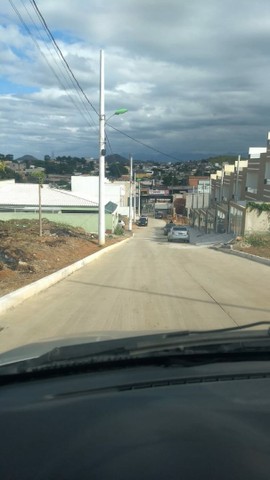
(198, 237)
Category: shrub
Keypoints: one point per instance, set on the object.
(257, 240)
(119, 230)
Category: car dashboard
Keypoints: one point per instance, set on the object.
(152, 422)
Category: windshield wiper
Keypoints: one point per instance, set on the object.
(227, 341)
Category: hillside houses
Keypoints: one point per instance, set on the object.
(235, 191)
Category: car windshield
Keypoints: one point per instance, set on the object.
(104, 151)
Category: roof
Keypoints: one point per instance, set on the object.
(26, 194)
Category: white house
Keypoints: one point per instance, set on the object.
(21, 200)
(88, 187)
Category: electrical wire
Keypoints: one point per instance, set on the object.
(76, 84)
(46, 60)
(61, 54)
(62, 63)
(142, 143)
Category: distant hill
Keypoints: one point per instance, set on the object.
(115, 158)
(27, 158)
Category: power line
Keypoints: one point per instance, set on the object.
(45, 58)
(142, 143)
(61, 54)
(63, 72)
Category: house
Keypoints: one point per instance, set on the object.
(117, 192)
(88, 187)
(21, 200)
(233, 189)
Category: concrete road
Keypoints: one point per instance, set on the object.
(146, 284)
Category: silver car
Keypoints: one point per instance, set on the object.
(178, 234)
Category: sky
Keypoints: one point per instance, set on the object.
(193, 74)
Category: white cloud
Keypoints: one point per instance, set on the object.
(193, 75)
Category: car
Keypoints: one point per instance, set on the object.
(142, 222)
(168, 227)
(158, 215)
(178, 234)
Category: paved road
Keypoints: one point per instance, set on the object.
(145, 284)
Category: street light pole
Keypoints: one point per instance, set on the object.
(130, 194)
(139, 199)
(102, 153)
(135, 195)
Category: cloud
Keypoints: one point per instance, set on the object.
(193, 76)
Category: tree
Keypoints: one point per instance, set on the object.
(39, 177)
(116, 170)
(7, 173)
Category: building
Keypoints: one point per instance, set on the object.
(233, 189)
(117, 192)
(258, 174)
(21, 200)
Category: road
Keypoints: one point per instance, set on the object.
(145, 284)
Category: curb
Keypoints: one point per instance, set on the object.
(13, 299)
(248, 256)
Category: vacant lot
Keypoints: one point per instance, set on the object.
(26, 257)
(255, 244)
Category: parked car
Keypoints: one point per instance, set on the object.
(158, 215)
(178, 234)
(168, 227)
(142, 222)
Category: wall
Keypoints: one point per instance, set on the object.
(256, 222)
(87, 221)
(88, 187)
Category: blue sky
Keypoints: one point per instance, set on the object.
(14, 88)
(193, 76)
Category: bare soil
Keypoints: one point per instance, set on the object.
(25, 256)
(254, 244)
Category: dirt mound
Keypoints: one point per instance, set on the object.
(25, 256)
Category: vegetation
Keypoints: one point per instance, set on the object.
(116, 170)
(119, 230)
(258, 240)
(7, 174)
(115, 158)
(67, 165)
(221, 159)
(37, 177)
(260, 207)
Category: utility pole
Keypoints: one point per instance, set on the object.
(39, 208)
(203, 195)
(237, 179)
(221, 183)
(139, 198)
(135, 200)
(130, 194)
(102, 153)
